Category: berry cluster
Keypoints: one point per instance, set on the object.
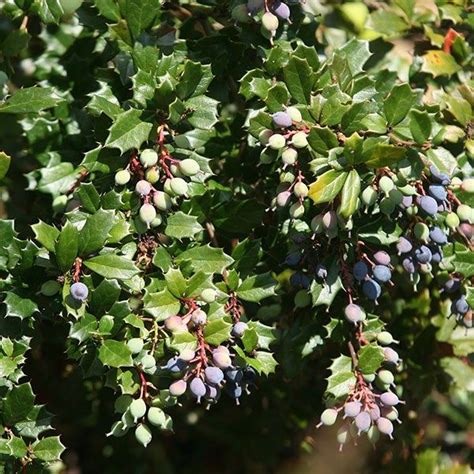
(459, 307)
(159, 180)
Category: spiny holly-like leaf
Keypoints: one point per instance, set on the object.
(256, 288)
(217, 331)
(115, 353)
(48, 449)
(4, 164)
(30, 100)
(161, 304)
(350, 194)
(370, 358)
(19, 306)
(181, 226)
(439, 63)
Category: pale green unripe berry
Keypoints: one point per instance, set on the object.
(162, 201)
(412, 211)
(175, 171)
(317, 224)
(465, 213)
(395, 196)
(421, 231)
(455, 181)
(328, 416)
(329, 220)
(386, 184)
(135, 345)
(189, 167)
(343, 435)
(369, 378)
(69, 6)
(387, 206)
(143, 435)
(289, 156)
(264, 136)
(148, 361)
(208, 295)
(137, 408)
(386, 377)
(147, 213)
(452, 220)
(295, 114)
(296, 210)
(302, 299)
(178, 186)
(240, 13)
(149, 158)
(118, 429)
(299, 140)
(157, 221)
(50, 288)
(122, 177)
(300, 190)
(276, 141)
(468, 185)
(122, 403)
(369, 196)
(270, 21)
(283, 198)
(373, 434)
(152, 175)
(156, 416)
(385, 338)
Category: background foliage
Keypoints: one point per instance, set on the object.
(383, 87)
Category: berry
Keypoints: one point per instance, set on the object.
(363, 421)
(328, 417)
(371, 289)
(329, 220)
(187, 355)
(382, 273)
(175, 324)
(385, 376)
(360, 271)
(294, 113)
(214, 375)
(178, 186)
(221, 359)
(438, 236)
(281, 10)
(240, 13)
(374, 413)
(452, 285)
(300, 190)
(156, 416)
(289, 156)
(421, 231)
(209, 295)
(369, 196)
(404, 246)
(197, 388)
(148, 362)
(389, 399)
(175, 365)
(321, 271)
(354, 313)
(143, 188)
(300, 280)
(239, 329)
(264, 136)
(122, 403)
(468, 185)
(234, 375)
(283, 198)
(385, 338)
(122, 177)
(452, 220)
(281, 120)
(302, 299)
(408, 265)
(391, 355)
(79, 291)
(438, 176)
(407, 201)
(465, 213)
(391, 413)
(438, 192)
(396, 197)
(149, 158)
(137, 408)
(423, 254)
(198, 317)
(178, 388)
(296, 210)
(461, 305)
(135, 345)
(276, 141)
(352, 409)
(189, 167)
(147, 213)
(386, 184)
(152, 175)
(343, 435)
(299, 140)
(386, 206)
(385, 426)
(428, 205)
(234, 390)
(270, 22)
(162, 200)
(50, 288)
(143, 435)
(382, 257)
(212, 393)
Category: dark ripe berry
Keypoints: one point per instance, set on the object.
(212, 392)
(452, 285)
(385, 426)
(437, 253)
(300, 280)
(239, 329)
(438, 192)
(354, 313)
(371, 289)
(250, 376)
(254, 6)
(321, 271)
(214, 375)
(178, 388)
(352, 409)
(391, 355)
(234, 390)
(408, 264)
(382, 273)
(79, 291)
(423, 254)
(429, 205)
(461, 305)
(175, 365)
(360, 270)
(382, 257)
(389, 399)
(293, 259)
(407, 201)
(281, 10)
(439, 177)
(374, 413)
(197, 388)
(281, 120)
(438, 236)
(328, 417)
(363, 421)
(404, 246)
(234, 375)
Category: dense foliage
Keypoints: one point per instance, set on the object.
(228, 224)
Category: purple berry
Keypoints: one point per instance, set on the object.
(389, 399)
(423, 254)
(197, 387)
(382, 257)
(363, 421)
(281, 10)
(360, 271)
(178, 388)
(281, 120)
(321, 271)
(461, 305)
(79, 291)
(438, 192)
(214, 375)
(408, 265)
(239, 329)
(391, 355)
(371, 289)
(452, 285)
(352, 409)
(382, 273)
(354, 313)
(385, 426)
(438, 236)
(404, 246)
(429, 205)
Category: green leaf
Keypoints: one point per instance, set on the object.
(350, 195)
(4, 164)
(175, 282)
(464, 263)
(181, 226)
(438, 63)
(112, 266)
(115, 354)
(46, 235)
(90, 198)
(299, 79)
(140, 14)
(94, 234)
(206, 259)
(327, 186)
(161, 304)
(321, 140)
(109, 9)
(67, 247)
(217, 331)
(342, 380)
(266, 363)
(30, 100)
(420, 126)
(250, 340)
(257, 288)
(48, 449)
(370, 359)
(443, 160)
(195, 80)
(128, 131)
(356, 53)
(203, 111)
(18, 306)
(18, 403)
(398, 103)
(461, 373)
(383, 154)
(265, 334)
(324, 293)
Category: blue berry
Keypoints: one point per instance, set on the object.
(214, 375)
(404, 246)
(407, 201)
(452, 285)
(438, 236)
(438, 192)
(461, 305)
(438, 176)
(281, 120)
(281, 10)
(234, 375)
(382, 257)
(423, 254)
(321, 271)
(371, 289)
(429, 205)
(234, 390)
(300, 280)
(175, 365)
(197, 388)
(382, 273)
(437, 254)
(79, 291)
(293, 259)
(408, 264)
(360, 270)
